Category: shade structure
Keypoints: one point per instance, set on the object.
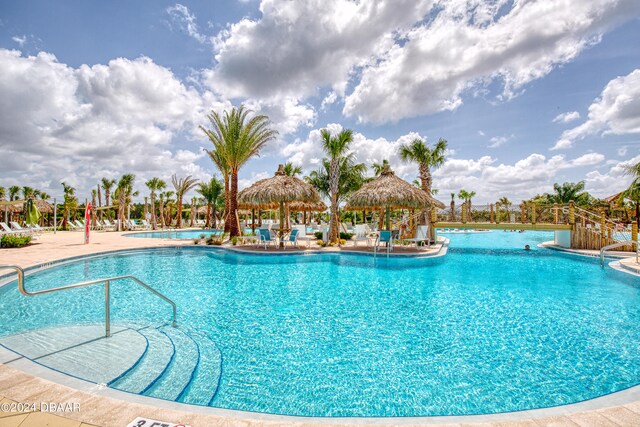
(390, 192)
(17, 206)
(277, 190)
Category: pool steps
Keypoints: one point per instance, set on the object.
(154, 360)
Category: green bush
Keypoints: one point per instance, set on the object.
(10, 241)
(234, 240)
(318, 235)
(345, 236)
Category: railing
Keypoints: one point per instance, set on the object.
(616, 245)
(107, 314)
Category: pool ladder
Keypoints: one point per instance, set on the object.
(617, 245)
(107, 283)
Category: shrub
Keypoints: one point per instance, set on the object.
(345, 236)
(202, 236)
(9, 241)
(196, 241)
(234, 240)
(320, 242)
(343, 242)
(318, 235)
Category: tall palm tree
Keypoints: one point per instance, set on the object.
(336, 148)
(99, 200)
(426, 158)
(222, 166)
(182, 186)
(632, 193)
(154, 184)
(211, 192)
(3, 193)
(453, 207)
(124, 192)
(70, 204)
(14, 190)
(161, 209)
(44, 196)
(169, 202)
(466, 196)
(27, 193)
(291, 170)
(568, 191)
(107, 185)
(237, 139)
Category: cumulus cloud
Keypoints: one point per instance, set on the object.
(186, 21)
(79, 124)
(566, 117)
(612, 181)
(616, 111)
(21, 40)
(498, 141)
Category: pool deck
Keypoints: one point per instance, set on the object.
(100, 406)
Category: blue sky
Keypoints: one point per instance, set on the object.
(526, 93)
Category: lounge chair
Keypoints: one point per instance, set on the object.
(7, 230)
(361, 235)
(16, 227)
(293, 238)
(265, 237)
(302, 234)
(385, 236)
(422, 235)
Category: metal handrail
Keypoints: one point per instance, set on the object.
(615, 245)
(106, 281)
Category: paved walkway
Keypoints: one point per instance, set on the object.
(100, 406)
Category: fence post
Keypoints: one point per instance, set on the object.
(492, 216)
(555, 213)
(572, 212)
(603, 236)
(464, 213)
(533, 213)
(523, 212)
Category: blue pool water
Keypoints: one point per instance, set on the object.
(180, 234)
(488, 328)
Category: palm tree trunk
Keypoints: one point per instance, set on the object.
(162, 212)
(207, 223)
(179, 213)
(333, 190)
(231, 222)
(100, 202)
(154, 220)
(227, 198)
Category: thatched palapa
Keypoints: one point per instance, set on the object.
(17, 206)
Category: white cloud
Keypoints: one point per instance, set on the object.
(20, 40)
(616, 111)
(186, 21)
(79, 124)
(611, 182)
(566, 117)
(622, 151)
(498, 141)
(328, 100)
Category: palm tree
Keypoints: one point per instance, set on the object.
(182, 186)
(169, 207)
(3, 193)
(453, 207)
(70, 204)
(568, 191)
(107, 185)
(291, 170)
(633, 192)
(336, 148)
(27, 193)
(154, 184)
(221, 164)
(14, 190)
(124, 192)
(210, 192)
(379, 167)
(161, 209)
(466, 196)
(426, 158)
(44, 196)
(237, 139)
(504, 201)
(351, 176)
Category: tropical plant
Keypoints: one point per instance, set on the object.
(632, 193)
(379, 167)
(211, 192)
(453, 207)
(569, 191)
(222, 166)
(27, 193)
(69, 205)
(107, 185)
(335, 147)
(291, 170)
(44, 196)
(14, 190)
(182, 186)
(154, 184)
(3, 193)
(169, 202)
(466, 196)
(124, 193)
(237, 139)
(426, 158)
(504, 201)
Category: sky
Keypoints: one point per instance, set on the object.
(527, 93)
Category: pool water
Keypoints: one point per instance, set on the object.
(488, 328)
(175, 234)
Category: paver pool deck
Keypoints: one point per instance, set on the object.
(27, 383)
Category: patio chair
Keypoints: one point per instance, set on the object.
(302, 234)
(422, 235)
(266, 238)
(361, 235)
(7, 230)
(386, 237)
(293, 238)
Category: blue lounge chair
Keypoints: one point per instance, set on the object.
(293, 238)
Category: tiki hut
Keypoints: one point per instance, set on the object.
(390, 192)
(17, 207)
(279, 189)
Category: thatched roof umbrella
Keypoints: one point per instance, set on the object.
(279, 189)
(390, 192)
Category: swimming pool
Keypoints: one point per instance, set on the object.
(481, 330)
(174, 234)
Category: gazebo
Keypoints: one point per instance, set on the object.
(276, 191)
(388, 191)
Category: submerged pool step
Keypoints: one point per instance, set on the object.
(154, 363)
(204, 385)
(181, 369)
